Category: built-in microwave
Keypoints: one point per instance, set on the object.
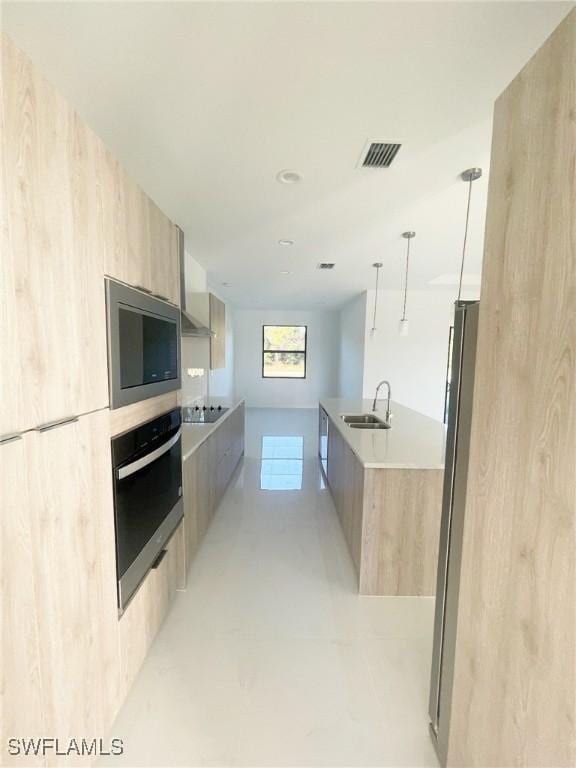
(143, 345)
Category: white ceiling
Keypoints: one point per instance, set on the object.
(205, 102)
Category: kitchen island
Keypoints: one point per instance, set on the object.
(387, 490)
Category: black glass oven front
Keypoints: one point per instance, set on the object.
(147, 465)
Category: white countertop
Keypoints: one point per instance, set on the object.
(414, 441)
(194, 435)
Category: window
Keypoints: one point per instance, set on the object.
(284, 351)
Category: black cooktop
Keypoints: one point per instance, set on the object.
(205, 414)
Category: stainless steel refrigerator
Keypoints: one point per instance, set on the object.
(452, 525)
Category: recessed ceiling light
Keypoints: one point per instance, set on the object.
(285, 242)
(288, 177)
(285, 272)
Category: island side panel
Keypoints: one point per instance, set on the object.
(400, 532)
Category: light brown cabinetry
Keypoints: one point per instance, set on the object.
(206, 474)
(513, 698)
(346, 481)
(390, 519)
(53, 321)
(71, 214)
(145, 613)
(211, 311)
(144, 247)
(59, 617)
(218, 325)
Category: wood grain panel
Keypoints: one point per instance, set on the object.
(53, 319)
(131, 415)
(390, 519)
(140, 622)
(513, 700)
(22, 691)
(60, 642)
(218, 325)
(402, 510)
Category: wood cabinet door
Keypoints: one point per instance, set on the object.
(143, 247)
(164, 255)
(147, 610)
(59, 563)
(53, 320)
(204, 488)
(22, 683)
(191, 512)
(218, 325)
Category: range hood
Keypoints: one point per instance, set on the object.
(190, 325)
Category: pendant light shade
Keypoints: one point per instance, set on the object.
(403, 324)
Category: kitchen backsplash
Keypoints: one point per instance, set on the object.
(194, 374)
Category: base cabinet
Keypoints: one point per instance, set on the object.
(390, 519)
(206, 474)
(144, 615)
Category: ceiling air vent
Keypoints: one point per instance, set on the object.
(326, 265)
(380, 155)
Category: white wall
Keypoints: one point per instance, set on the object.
(352, 320)
(321, 364)
(415, 364)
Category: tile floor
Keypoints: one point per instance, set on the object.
(270, 658)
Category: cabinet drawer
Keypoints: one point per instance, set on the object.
(144, 615)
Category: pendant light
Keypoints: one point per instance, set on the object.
(469, 175)
(377, 266)
(403, 324)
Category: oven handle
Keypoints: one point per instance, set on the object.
(129, 469)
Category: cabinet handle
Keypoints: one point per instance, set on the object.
(58, 423)
(10, 438)
(144, 290)
(156, 563)
(139, 464)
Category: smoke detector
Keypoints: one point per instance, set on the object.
(379, 154)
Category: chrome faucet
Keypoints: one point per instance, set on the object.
(388, 414)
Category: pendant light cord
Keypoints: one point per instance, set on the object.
(465, 238)
(406, 280)
(375, 299)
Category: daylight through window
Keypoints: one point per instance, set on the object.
(284, 351)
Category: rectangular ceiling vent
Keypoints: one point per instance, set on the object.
(380, 155)
(326, 265)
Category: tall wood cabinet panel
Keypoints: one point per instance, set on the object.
(21, 708)
(60, 577)
(218, 325)
(514, 692)
(53, 324)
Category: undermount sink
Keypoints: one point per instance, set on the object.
(364, 421)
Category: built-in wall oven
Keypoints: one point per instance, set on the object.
(147, 464)
(143, 345)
